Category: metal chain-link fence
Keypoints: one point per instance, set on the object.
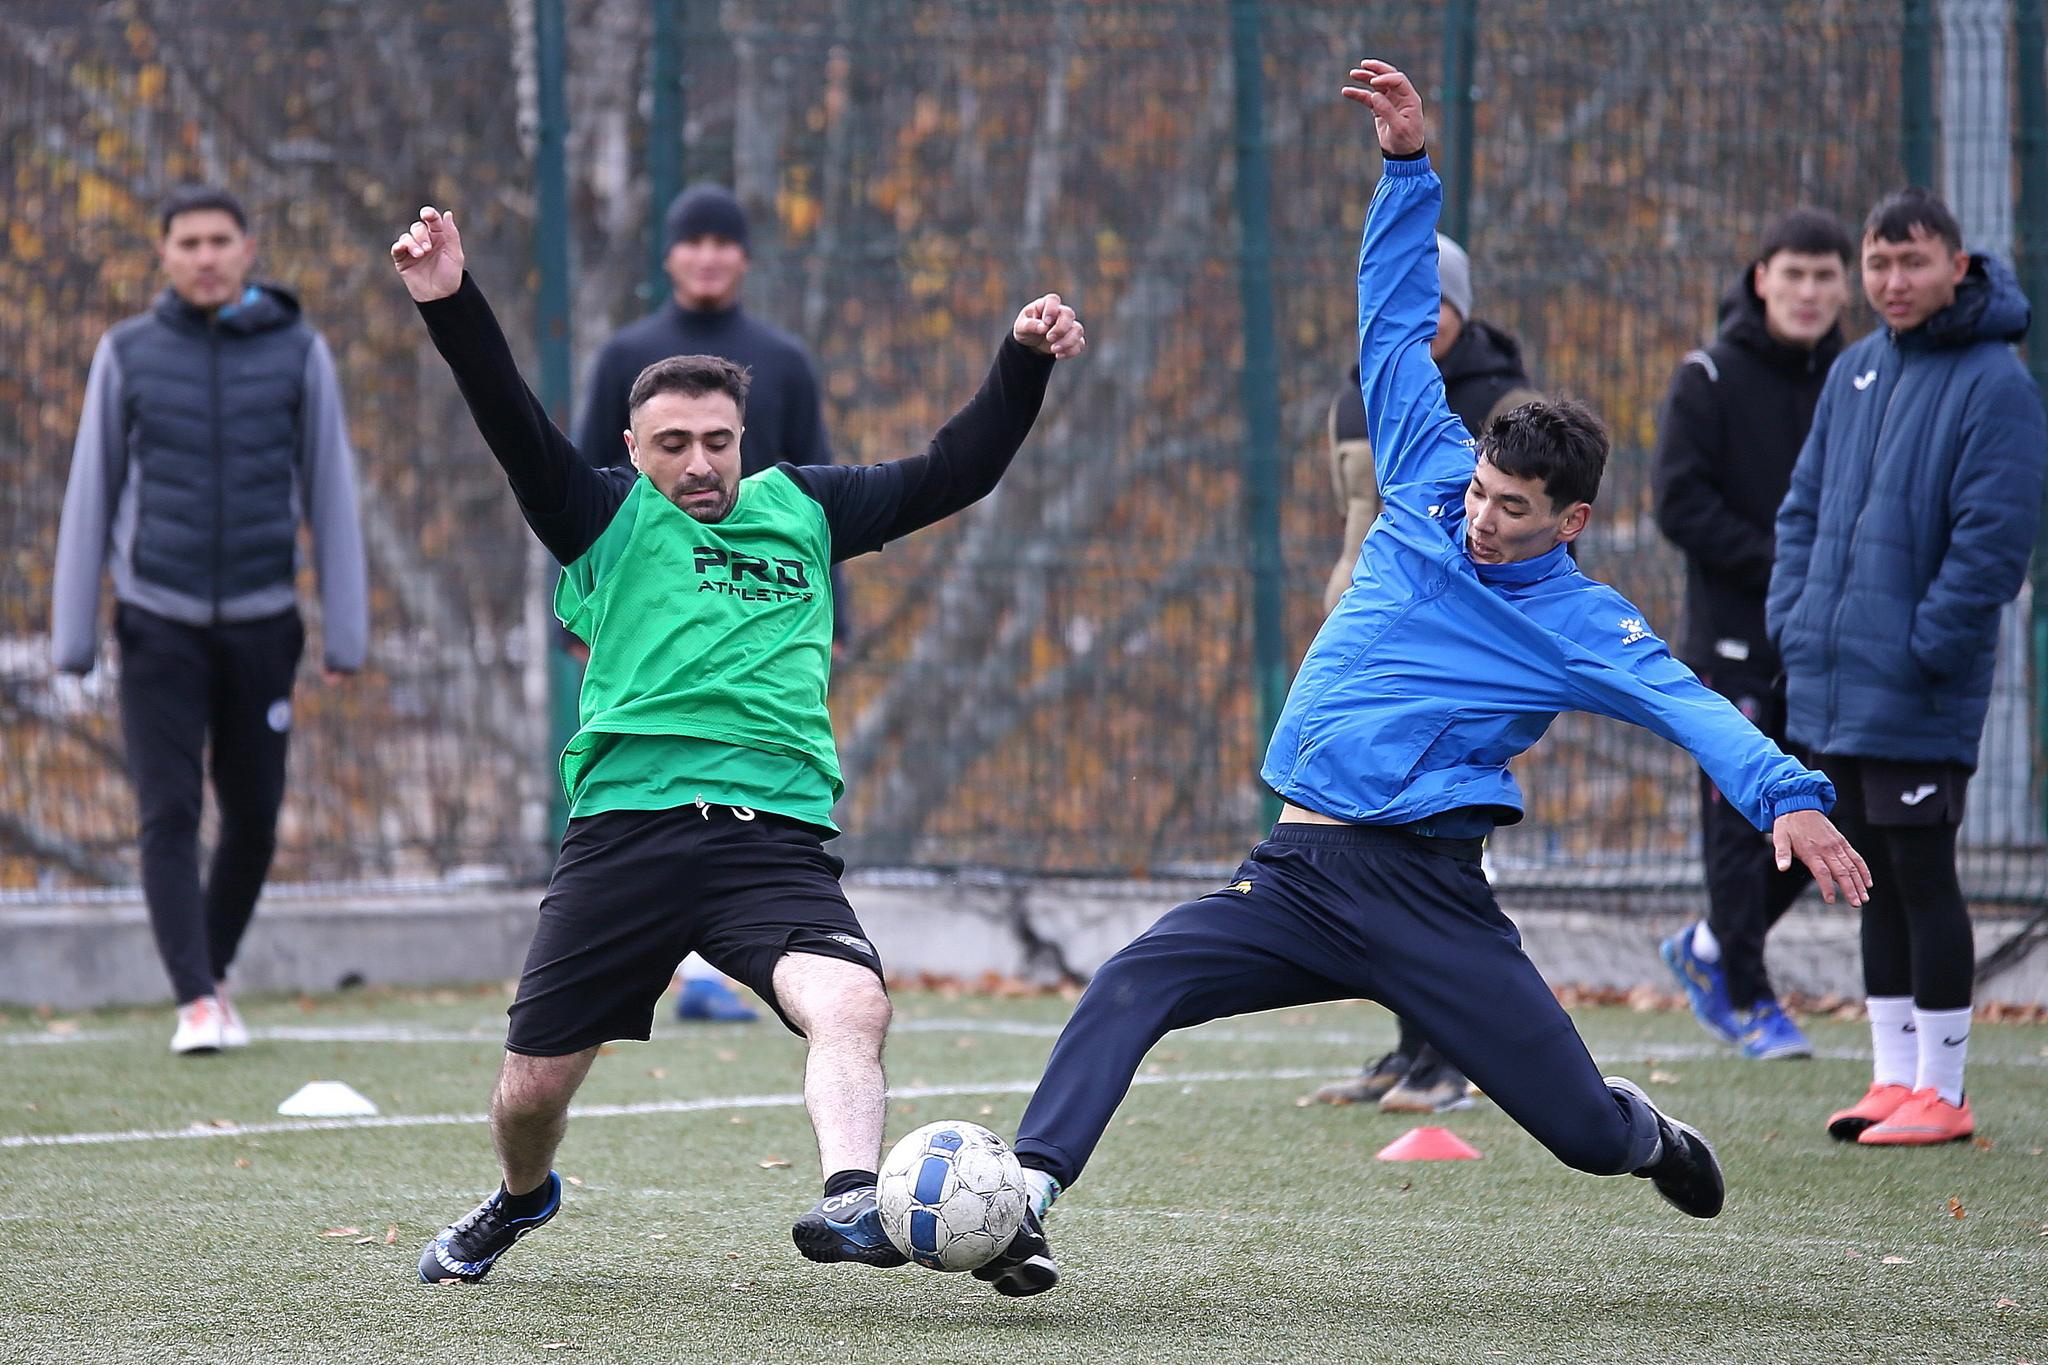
(1063, 680)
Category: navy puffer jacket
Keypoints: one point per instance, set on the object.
(1909, 524)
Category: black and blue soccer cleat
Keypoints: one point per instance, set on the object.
(466, 1249)
(1024, 1267)
(846, 1227)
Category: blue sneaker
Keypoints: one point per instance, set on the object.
(706, 997)
(1767, 1031)
(467, 1249)
(1706, 986)
(846, 1227)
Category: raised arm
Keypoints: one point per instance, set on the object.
(1417, 441)
(867, 506)
(566, 502)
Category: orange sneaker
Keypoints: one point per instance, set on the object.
(1926, 1120)
(1878, 1104)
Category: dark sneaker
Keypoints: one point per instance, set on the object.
(1024, 1267)
(1368, 1085)
(846, 1227)
(466, 1250)
(1686, 1172)
(1431, 1088)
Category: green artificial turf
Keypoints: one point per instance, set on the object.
(1219, 1221)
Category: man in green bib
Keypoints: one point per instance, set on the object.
(702, 776)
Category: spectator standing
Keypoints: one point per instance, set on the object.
(1909, 523)
(212, 428)
(1483, 376)
(707, 261)
(1728, 435)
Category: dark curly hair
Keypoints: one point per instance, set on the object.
(1558, 440)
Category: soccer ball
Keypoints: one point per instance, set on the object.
(952, 1195)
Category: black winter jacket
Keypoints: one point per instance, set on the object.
(1728, 434)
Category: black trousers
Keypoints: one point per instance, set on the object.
(182, 686)
(1323, 912)
(1903, 819)
(1746, 893)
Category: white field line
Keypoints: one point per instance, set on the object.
(598, 1111)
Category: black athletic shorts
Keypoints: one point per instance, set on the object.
(1902, 794)
(635, 892)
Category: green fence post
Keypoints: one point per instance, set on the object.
(1916, 91)
(551, 324)
(2030, 37)
(1455, 116)
(664, 138)
(1259, 381)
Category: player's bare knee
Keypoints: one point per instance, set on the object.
(538, 1087)
(857, 1013)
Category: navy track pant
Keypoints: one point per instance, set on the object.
(1325, 912)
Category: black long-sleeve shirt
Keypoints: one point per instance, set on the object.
(568, 503)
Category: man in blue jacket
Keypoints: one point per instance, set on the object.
(1908, 525)
(1466, 629)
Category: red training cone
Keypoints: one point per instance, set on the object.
(1429, 1144)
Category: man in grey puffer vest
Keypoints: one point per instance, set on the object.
(212, 427)
(1908, 526)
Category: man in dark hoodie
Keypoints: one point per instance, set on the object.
(1483, 377)
(1908, 526)
(1727, 437)
(212, 427)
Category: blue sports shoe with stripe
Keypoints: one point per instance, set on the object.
(1706, 986)
(467, 1249)
(846, 1227)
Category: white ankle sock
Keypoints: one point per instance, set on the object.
(1044, 1189)
(1893, 1040)
(1705, 946)
(1944, 1047)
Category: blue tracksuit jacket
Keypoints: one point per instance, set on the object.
(1434, 671)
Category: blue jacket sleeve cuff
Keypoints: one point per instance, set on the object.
(1786, 805)
(1415, 165)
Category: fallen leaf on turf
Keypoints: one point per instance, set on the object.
(241, 1163)
(986, 1110)
(2004, 1303)
(1982, 1144)
(33, 1107)
(1895, 1260)
(1664, 1078)
(732, 1255)
(573, 1180)
(1855, 1255)
(1955, 1206)
(726, 1054)
(737, 1119)
(660, 1073)
(62, 1026)
(773, 1163)
(391, 1235)
(362, 1241)
(342, 1232)
(658, 1236)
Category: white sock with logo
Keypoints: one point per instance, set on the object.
(1705, 946)
(1893, 1040)
(1944, 1046)
(1044, 1189)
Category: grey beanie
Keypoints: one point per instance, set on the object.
(706, 211)
(1454, 270)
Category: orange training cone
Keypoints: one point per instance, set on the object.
(1429, 1144)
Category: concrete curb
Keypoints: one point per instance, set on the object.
(80, 956)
